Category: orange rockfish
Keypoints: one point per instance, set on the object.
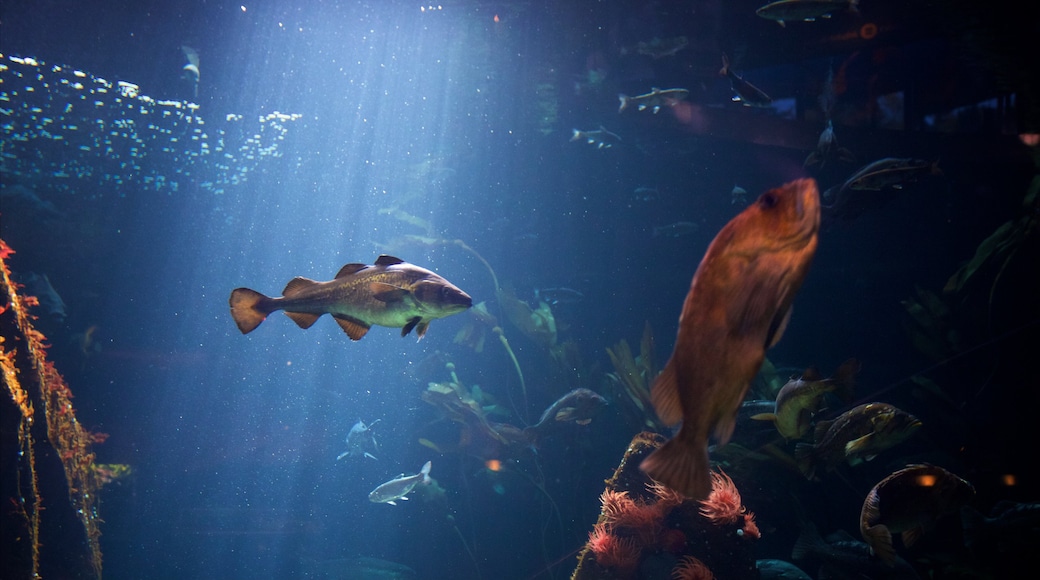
(738, 304)
(391, 293)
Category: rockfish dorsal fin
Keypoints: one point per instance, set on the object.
(385, 260)
(303, 319)
(349, 269)
(384, 292)
(354, 328)
(297, 285)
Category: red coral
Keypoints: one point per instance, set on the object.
(723, 504)
(750, 529)
(667, 498)
(615, 503)
(691, 568)
(612, 551)
(641, 520)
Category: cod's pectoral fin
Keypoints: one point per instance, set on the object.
(354, 328)
(771, 417)
(303, 319)
(420, 329)
(385, 260)
(388, 293)
(347, 270)
(665, 396)
(410, 325)
(297, 285)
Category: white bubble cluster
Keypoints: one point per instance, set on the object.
(61, 126)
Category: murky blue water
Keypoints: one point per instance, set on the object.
(328, 133)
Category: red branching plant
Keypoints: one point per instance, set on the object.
(723, 503)
(667, 498)
(690, 568)
(612, 551)
(750, 528)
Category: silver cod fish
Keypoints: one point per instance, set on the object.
(400, 486)
(391, 293)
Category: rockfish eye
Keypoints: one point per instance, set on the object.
(768, 199)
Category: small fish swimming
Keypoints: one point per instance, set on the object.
(875, 184)
(855, 436)
(657, 48)
(737, 307)
(676, 229)
(400, 486)
(1010, 527)
(905, 502)
(601, 138)
(360, 440)
(843, 556)
(827, 149)
(805, 10)
(50, 305)
(578, 407)
(890, 172)
(391, 293)
(738, 195)
(645, 193)
(747, 94)
(190, 71)
(801, 398)
(559, 295)
(654, 100)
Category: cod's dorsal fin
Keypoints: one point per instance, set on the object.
(297, 285)
(303, 319)
(384, 292)
(354, 328)
(349, 269)
(385, 260)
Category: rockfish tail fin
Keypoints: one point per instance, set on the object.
(664, 394)
(249, 308)
(681, 465)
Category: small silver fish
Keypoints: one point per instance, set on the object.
(360, 440)
(400, 486)
(747, 94)
(653, 100)
(601, 138)
(805, 10)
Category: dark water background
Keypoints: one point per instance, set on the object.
(465, 122)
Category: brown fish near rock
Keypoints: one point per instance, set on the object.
(801, 398)
(737, 307)
(855, 436)
(906, 501)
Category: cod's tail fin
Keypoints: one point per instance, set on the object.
(249, 308)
